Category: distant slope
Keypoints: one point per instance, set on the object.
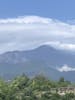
(43, 59)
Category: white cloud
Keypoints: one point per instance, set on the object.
(28, 32)
(61, 46)
(65, 68)
(26, 20)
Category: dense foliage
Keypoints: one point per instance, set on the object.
(37, 88)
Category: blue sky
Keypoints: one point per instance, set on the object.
(57, 9)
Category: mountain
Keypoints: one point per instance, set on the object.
(44, 60)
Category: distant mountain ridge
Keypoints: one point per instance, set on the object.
(43, 59)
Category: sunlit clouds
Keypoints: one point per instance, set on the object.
(28, 32)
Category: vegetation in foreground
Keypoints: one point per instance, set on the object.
(38, 88)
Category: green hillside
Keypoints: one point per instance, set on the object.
(37, 88)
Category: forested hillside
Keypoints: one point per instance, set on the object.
(37, 88)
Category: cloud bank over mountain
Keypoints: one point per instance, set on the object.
(65, 68)
(28, 32)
